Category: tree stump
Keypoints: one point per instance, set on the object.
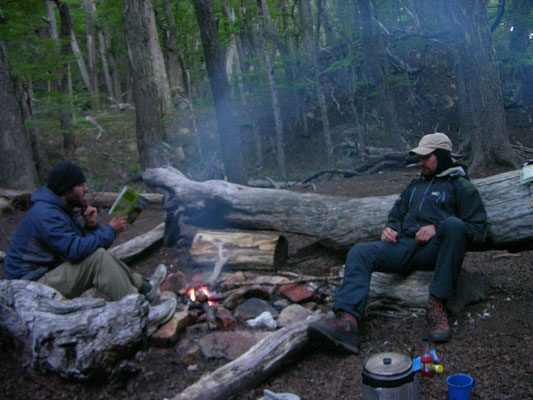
(81, 339)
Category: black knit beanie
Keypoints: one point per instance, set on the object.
(64, 176)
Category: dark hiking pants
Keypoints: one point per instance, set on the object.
(444, 254)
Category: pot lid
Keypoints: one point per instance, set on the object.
(388, 365)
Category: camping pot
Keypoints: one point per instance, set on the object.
(389, 376)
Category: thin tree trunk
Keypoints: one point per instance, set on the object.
(150, 131)
(105, 66)
(159, 69)
(80, 61)
(65, 118)
(280, 142)
(52, 29)
(29, 114)
(246, 46)
(16, 163)
(175, 74)
(115, 73)
(320, 93)
(230, 143)
(376, 65)
(480, 101)
(90, 9)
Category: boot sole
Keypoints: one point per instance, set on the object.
(337, 343)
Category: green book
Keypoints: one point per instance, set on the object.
(129, 203)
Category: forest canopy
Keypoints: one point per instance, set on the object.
(235, 88)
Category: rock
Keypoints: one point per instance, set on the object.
(175, 282)
(225, 320)
(293, 313)
(229, 345)
(297, 292)
(275, 280)
(168, 334)
(188, 350)
(264, 319)
(238, 296)
(251, 308)
(231, 280)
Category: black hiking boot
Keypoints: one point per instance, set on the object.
(439, 329)
(341, 331)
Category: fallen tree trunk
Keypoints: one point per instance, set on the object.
(335, 222)
(243, 250)
(252, 367)
(81, 339)
(413, 290)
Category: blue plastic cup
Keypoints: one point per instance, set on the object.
(460, 387)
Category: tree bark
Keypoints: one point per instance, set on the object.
(150, 131)
(80, 61)
(81, 339)
(16, 162)
(69, 139)
(480, 94)
(336, 222)
(175, 74)
(92, 56)
(264, 22)
(228, 132)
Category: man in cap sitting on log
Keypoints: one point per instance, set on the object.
(428, 226)
(51, 246)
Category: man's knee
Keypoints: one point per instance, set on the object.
(453, 226)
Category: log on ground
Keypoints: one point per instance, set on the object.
(82, 339)
(251, 368)
(413, 290)
(335, 222)
(138, 245)
(244, 250)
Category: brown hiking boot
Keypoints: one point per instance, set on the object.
(439, 329)
(341, 331)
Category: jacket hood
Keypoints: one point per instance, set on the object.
(453, 172)
(46, 195)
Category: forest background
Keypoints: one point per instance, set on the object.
(239, 89)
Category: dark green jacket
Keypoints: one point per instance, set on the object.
(430, 201)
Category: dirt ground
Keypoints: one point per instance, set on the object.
(492, 340)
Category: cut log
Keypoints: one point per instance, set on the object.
(81, 339)
(335, 222)
(138, 245)
(413, 290)
(244, 250)
(254, 366)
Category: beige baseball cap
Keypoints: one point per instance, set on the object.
(429, 143)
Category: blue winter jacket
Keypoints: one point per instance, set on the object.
(49, 235)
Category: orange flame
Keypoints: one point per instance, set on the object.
(192, 294)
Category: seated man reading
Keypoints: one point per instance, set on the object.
(428, 226)
(51, 246)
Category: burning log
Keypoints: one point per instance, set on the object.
(252, 367)
(243, 250)
(335, 222)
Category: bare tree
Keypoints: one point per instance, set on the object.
(150, 131)
(480, 94)
(377, 68)
(265, 24)
(69, 141)
(228, 132)
(90, 10)
(16, 163)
